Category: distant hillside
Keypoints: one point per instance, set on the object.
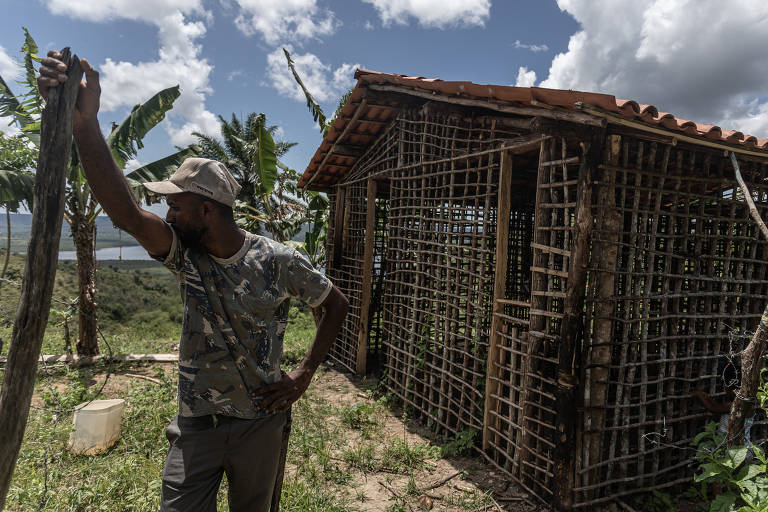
(21, 223)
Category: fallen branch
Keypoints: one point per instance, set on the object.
(396, 495)
(440, 483)
(90, 360)
(144, 377)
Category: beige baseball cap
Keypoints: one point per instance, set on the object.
(201, 176)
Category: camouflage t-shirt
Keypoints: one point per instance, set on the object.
(255, 286)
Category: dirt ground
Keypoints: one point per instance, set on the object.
(470, 474)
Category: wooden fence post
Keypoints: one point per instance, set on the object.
(39, 270)
(365, 291)
(499, 288)
(606, 253)
(572, 329)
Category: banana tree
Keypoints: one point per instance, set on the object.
(16, 182)
(81, 208)
(250, 152)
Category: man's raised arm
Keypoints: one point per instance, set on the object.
(104, 176)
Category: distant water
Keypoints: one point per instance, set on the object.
(132, 252)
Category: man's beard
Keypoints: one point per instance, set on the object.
(193, 237)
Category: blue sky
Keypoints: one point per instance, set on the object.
(692, 58)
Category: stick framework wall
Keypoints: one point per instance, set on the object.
(666, 276)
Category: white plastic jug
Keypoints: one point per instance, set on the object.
(97, 426)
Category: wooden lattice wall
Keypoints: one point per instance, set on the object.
(669, 270)
(670, 309)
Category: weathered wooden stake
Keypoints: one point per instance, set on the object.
(40, 269)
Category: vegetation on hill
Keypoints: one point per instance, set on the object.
(139, 307)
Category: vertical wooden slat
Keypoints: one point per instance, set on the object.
(370, 236)
(499, 287)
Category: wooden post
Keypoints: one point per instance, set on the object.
(607, 254)
(572, 330)
(365, 300)
(338, 227)
(39, 270)
(499, 287)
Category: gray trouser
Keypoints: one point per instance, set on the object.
(204, 448)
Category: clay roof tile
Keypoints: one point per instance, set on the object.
(533, 96)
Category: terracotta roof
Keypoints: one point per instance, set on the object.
(361, 131)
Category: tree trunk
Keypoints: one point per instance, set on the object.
(7, 246)
(39, 271)
(84, 235)
(752, 361)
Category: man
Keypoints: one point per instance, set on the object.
(235, 288)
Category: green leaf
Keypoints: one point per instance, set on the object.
(267, 161)
(30, 57)
(723, 503)
(16, 187)
(126, 139)
(749, 472)
(735, 456)
(314, 108)
(709, 470)
(700, 437)
(157, 171)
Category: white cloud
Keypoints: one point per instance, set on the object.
(9, 69)
(325, 84)
(179, 61)
(141, 10)
(235, 74)
(284, 20)
(131, 165)
(532, 47)
(693, 58)
(433, 13)
(525, 78)
(8, 129)
(368, 25)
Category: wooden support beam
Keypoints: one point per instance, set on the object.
(606, 254)
(567, 399)
(348, 150)
(339, 139)
(39, 269)
(367, 278)
(499, 291)
(563, 115)
(338, 226)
